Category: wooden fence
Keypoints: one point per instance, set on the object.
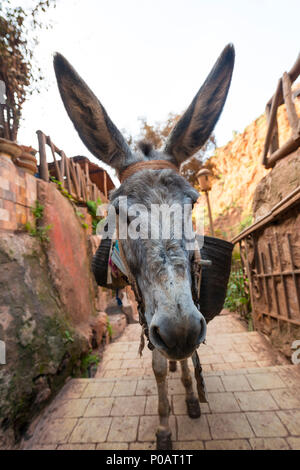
(270, 255)
(283, 94)
(70, 174)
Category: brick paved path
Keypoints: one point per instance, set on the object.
(254, 399)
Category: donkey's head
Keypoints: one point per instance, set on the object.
(161, 265)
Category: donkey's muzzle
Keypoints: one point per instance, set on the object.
(177, 339)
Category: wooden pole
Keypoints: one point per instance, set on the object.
(212, 232)
(290, 146)
(44, 173)
(105, 184)
(272, 118)
(290, 107)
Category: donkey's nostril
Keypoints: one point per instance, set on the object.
(156, 336)
(161, 340)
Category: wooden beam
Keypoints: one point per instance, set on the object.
(62, 169)
(274, 142)
(211, 224)
(44, 172)
(272, 118)
(105, 183)
(249, 275)
(285, 204)
(67, 172)
(290, 107)
(74, 178)
(57, 169)
(288, 147)
(293, 74)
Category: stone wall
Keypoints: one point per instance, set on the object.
(276, 185)
(238, 171)
(18, 192)
(51, 310)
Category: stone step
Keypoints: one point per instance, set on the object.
(221, 352)
(227, 323)
(253, 399)
(247, 408)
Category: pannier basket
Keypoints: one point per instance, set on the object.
(214, 278)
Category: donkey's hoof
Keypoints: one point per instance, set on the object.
(172, 366)
(163, 441)
(193, 408)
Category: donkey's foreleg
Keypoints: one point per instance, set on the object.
(192, 401)
(163, 434)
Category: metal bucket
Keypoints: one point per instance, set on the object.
(215, 277)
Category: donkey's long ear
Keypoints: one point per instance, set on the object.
(197, 123)
(89, 117)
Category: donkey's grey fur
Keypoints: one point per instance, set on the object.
(161, 267)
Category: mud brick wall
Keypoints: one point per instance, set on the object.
(49, 316)
(51, 310)
(18, 192)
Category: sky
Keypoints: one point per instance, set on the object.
(149, 58)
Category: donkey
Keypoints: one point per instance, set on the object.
(161, 267)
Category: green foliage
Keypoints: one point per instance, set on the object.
(18, 68)
(69, 338)
(109, 328)
(237, 297)
(80, 215)
(63, 191)
(236, 256)
(91, 205)
(38, 230)
(88, 362)
(246, 222)
(38, 210)
(220, 233)
(157, 134)
(92, 208)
